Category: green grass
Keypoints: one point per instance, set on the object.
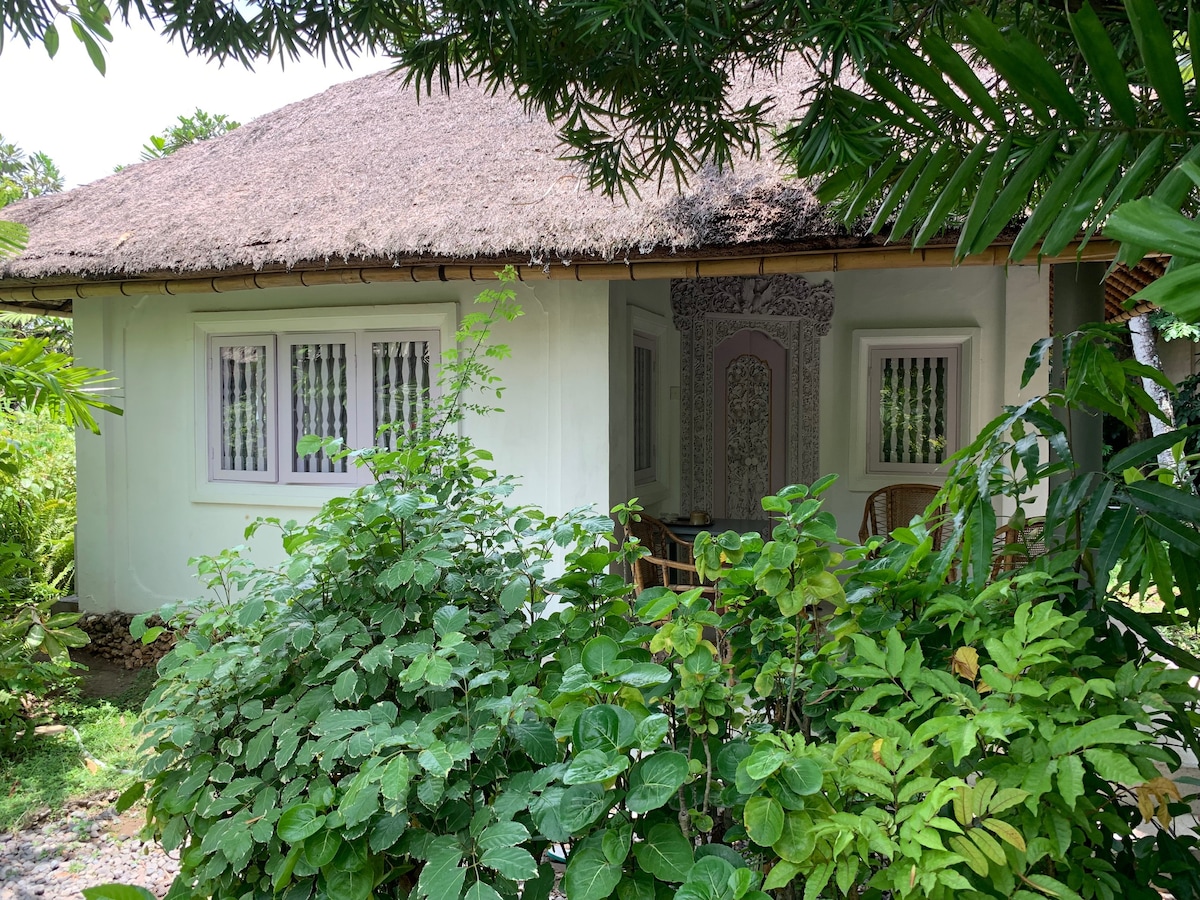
(51, 769)
(1184, 636)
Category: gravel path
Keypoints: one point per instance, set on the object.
(90, 846)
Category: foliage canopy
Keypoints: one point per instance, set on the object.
(397, 710)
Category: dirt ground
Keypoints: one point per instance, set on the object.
(103, 678)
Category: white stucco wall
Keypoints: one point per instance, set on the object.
(1004, 312)
(145, 505)
(1009, 309)
(143, 508)
(643, 306)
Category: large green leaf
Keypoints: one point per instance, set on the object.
(1154, 496)
(920, 72)
(582, 804)
(117, 892)
(1152, 223)
(665, 853)
(589, 875)
(948, 60)
(1002, 56)
(1135, 178)
(918, 196)
(537, 740)
(802, 776)
(655, 779)
(442, 877)
(797, 840)
(604, 727)
(1015, 194)
(985, 194)
(764, 820)
(502, 834)
(599, 653)
(322, 847)
(899, 190)
(715, 873)
(1146, 451)
(516, 863)
(595, 767)
(298, 822)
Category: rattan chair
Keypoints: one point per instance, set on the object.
(895, 506)
(1015, 548)
(670, 563)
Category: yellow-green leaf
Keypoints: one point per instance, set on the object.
(1005, 832)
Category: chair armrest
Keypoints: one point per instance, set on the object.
(670, 564)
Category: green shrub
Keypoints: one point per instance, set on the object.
(37, 508)
(399, 711)
(34, 660)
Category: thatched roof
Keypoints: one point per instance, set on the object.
(363, 172)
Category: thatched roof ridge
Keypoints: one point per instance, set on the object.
(362, 172)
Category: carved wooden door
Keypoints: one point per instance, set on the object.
(765, 331)
(750, 404)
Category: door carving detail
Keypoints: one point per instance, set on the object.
(747, 443)
(794, 314)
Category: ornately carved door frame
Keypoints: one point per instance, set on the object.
(790, 309)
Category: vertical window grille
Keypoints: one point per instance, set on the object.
(916, 417)
(268, 391)
(400, 384)
(320, 398)
(242, 375)
(644, 419)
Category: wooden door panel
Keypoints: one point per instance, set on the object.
(749, 423)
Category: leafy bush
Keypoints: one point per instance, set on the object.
(37, 507)
(34, 659)
(398, 710)
(37, 566)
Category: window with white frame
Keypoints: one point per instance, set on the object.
(913, 407)
(267, 391)
(645, 418)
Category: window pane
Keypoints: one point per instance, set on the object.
(643, 409)
(400, 389)
(242, 408)
(912, 409)
(319, 401)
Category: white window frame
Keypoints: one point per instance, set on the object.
(866, 472)
(213, 422)
(436, 321)
(646, 325)
(286, 412)
(952, 353)
(649, 343)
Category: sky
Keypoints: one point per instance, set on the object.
(88, 123)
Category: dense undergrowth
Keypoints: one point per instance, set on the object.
(437, 688)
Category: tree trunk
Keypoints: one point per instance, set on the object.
(1145, 351)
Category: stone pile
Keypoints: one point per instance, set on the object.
(111, 640)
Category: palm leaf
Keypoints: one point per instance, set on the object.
(1102, 59)
(13, 238)
(1158, 55)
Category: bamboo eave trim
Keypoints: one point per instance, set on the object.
(861, 259)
